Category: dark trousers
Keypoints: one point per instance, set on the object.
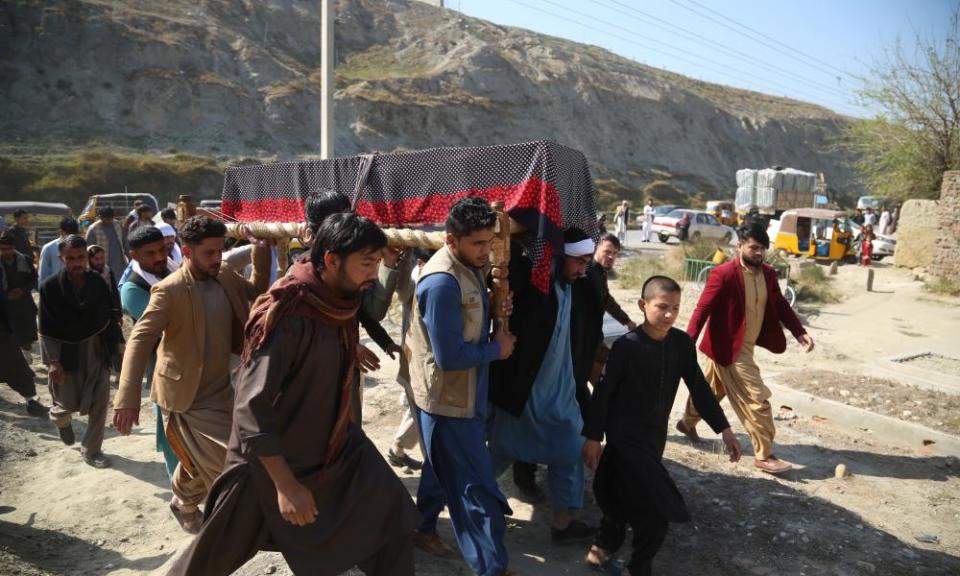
(648, 535)
(14, 369)
(525, 474)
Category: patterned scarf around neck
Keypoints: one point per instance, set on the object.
(302, 293)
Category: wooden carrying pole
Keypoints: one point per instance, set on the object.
(500, 260)
(402, 238)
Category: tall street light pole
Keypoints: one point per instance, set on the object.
(326, 75)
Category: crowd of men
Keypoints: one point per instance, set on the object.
(255, 384)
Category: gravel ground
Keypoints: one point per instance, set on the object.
(937, 410)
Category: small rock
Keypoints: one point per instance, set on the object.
(161, 547)
(124, 539)
(783, 534)
(906, 413)
(844, 393)
(928, 538)
(30, 453)
(840, 471)
(866, 566)
(270, 569)
(108, 567)
(805, 540)
(139, 516)
(100, 542)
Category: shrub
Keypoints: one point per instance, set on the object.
(943, 286)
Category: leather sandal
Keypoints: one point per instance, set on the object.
(773, 465)
(690, 433)
(189, 521)
(432, 544)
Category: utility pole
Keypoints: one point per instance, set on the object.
(326, 76)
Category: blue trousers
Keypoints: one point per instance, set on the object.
(565, 481)
(458, 473)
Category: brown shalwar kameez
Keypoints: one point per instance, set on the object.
(85, 390)
(204, 428)
(286, 403)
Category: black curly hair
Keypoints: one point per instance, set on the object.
(469, 215)
(198, 228)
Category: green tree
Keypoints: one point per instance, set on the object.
(915, 137)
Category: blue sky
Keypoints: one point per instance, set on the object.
(813, 50)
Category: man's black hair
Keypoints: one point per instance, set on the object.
(105, 212)
(753, 231)
(68, 225)
(72, 241)
(345, 233)
(323, 203)
(611, 238)
(19, 212)
(144, 208)
(574, 234)
(143, 235)
(198, 228)
(469, 215)
(168, 214)
(659, 285)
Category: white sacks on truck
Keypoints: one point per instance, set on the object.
(771, 190)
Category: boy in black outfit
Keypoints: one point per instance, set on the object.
(631, 405)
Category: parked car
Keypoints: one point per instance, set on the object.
(44, 220)
(703, 226)
(657, 211)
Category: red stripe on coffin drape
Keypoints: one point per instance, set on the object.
(532, 193)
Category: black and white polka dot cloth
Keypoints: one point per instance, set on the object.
(545, 187)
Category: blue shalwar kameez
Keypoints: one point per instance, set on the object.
(548, 430)
(458, 472)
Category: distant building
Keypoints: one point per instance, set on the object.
(437, 3)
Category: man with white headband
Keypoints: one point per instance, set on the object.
(170, 241)
(148, 265)
(537, 416)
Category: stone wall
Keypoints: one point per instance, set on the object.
(917, 233)
(946, 252)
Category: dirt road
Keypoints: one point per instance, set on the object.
(59, 516)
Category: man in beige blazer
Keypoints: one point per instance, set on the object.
(197, 314)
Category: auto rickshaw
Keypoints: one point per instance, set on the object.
(121, 203)
(725, 211)
(814, 232)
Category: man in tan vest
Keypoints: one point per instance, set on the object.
(197, 314)
(449, 352)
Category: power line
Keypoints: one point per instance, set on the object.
(752, 79)
(718, 45)
(808, 58)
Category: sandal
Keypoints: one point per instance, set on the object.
(608, 566)
(773, 465)
(189, 521)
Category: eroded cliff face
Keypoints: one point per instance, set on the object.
(236, 78)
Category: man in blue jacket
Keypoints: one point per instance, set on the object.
(450, 351)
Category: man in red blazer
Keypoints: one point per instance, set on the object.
(742, 307)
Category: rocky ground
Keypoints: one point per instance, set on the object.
(937, 410)
(897, 512)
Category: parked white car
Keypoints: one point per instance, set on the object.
(703, 226)
(883, 244)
